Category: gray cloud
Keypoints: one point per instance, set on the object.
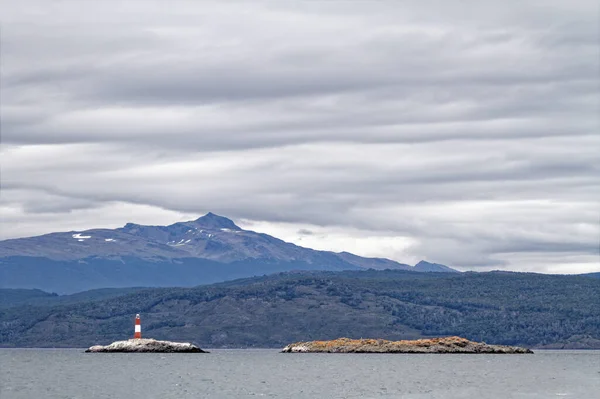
(473, 133)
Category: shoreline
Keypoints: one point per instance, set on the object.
(278, 350)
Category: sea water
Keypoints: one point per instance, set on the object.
(70, 373)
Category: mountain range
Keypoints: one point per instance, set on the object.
(207, 250)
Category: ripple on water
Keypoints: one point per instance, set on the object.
(267, 373)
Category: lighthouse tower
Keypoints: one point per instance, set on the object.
(138, 327)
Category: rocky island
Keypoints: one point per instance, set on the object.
(147, 345)
(433, 345)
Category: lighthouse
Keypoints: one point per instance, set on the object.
(138, 327)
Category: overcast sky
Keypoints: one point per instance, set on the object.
(465, 133)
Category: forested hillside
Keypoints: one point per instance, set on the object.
(500, 308)
(10, 297)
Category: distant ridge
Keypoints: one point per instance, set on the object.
(209, 249)
(424, 266)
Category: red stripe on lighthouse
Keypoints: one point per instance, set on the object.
(138, 327)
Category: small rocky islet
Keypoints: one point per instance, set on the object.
(433, 345)
(139, 345)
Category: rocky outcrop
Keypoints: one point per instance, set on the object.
(434, 345)
(147, 345)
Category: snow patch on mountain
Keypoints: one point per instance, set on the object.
(79, 237)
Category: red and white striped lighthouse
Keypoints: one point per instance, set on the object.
(138, 327)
